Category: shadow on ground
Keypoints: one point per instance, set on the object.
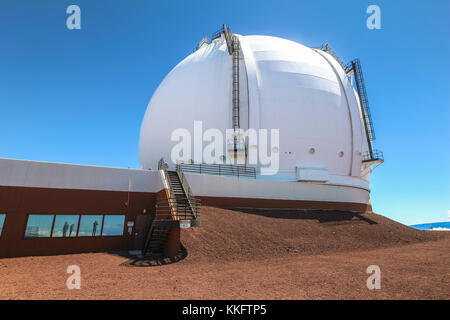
(150, 260)
(318, 215)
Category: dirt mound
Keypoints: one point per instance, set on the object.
(231, 233)
(255, 254)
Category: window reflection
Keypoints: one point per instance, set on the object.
(2, 221)
(90, 225)
(65, 226)
(38, 226)
(113, 225)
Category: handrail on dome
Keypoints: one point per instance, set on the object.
(354, 68)
(218, 169)
(202, 42)
(375, 156)
(217, 34)
(359, 79)
(230, 38)
(346, 66)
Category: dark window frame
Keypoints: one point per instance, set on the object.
(123, 228)
(3, 225)
(66, 214)
(24, 234)
(24, 237)
(90, 214)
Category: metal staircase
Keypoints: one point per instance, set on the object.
(354, 69)
(234, 48)
(364, 101)
(157, 241)
(178, 209)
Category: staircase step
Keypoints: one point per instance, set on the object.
(160, 236)
(160, 233)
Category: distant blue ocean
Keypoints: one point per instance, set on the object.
(428, 226)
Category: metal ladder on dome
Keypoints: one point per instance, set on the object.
(180, 206)
(234, 48)
(354, 68)
(371, 155)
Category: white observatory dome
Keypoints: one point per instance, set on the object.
(303, 92)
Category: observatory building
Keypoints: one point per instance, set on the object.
(318, 104)
(309, 106)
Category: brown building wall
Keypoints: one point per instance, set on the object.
(18, 202)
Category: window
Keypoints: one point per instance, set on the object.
(65, 226)
(113, 225)
(71, 225)
(90, 225)
(2, 220)
(39, 225)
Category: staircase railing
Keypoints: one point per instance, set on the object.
(219, 169)
(170, 208)
(359, 79)
(193, 202)
(163, 166)
(375, 155)
(354, 67)
(148, 238)
(184, 210)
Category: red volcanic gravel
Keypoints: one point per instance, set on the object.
(256, 254)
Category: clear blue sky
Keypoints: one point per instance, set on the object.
(79, 96)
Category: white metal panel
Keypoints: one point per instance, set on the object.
(198, 88)
(312, 173)
(22, 173)
(218, 186)
(300, 95)
(290, 87)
